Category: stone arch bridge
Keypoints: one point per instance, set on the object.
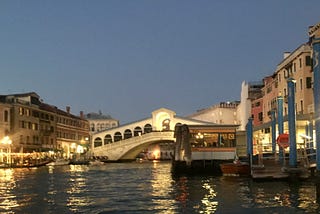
(127, 141)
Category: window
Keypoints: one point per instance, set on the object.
(308, 82)
(260, 116)
(308, 61)
(300, 63)
(34, 126)
(6, 116)
(21, 111)
(301, 85)
(279, 77)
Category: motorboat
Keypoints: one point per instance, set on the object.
(235, 168)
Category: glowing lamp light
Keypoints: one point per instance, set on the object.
(80, 149)
(156, 154)
(6, 140)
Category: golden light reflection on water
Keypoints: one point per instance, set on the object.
(161, 186)
(209, 202)
(7, 184)
(77, 188)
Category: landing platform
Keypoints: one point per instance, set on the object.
(272, 169)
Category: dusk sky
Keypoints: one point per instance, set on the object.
(127, 58)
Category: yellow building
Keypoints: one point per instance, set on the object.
(296, 65)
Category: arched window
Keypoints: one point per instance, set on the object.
(107, 139)
(97, 142)
(137, 131)
(166, 125)
(127, 134)
(117, 136)
(147, 128)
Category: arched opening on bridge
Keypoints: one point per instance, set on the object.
(166, 125)
(117, 136)
(147, 128)
(97, 142)
(137, 131)
(127, 134)
(107, 139)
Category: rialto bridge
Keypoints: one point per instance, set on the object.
(127, 141)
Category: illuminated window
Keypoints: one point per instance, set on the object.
(21, 111)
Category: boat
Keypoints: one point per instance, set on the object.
(96, 162)
(79, 162)
(59, 162)
(236, 168)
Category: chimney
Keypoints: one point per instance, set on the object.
(68, 109)
(286, 54)
(81, 115)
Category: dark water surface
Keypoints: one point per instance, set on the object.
(145, 188)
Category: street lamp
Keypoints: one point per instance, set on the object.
(7, 141)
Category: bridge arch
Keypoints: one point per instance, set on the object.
(137, 131)
(147, 128)
(107, 139)
(117, 136)
(127, 134)
(97, 142)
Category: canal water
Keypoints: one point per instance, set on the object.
(145, 188)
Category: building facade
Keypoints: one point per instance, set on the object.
(296, 65)
(34, 126)
(99, 122)
(222, 113)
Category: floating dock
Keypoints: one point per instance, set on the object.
(272, 169)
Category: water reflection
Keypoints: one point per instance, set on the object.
(8, 199)
(161, 183)
(145, 188)
(209, 200)
(77, 197)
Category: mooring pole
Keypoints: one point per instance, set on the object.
(273, 131)
(249, 140)
(292, 122)
(280, 126)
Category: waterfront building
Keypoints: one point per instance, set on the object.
(100, 122)
(296, 65)
(23, 121)
(250, 91)
(36, 127)
(72, 133)
(222, 113)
